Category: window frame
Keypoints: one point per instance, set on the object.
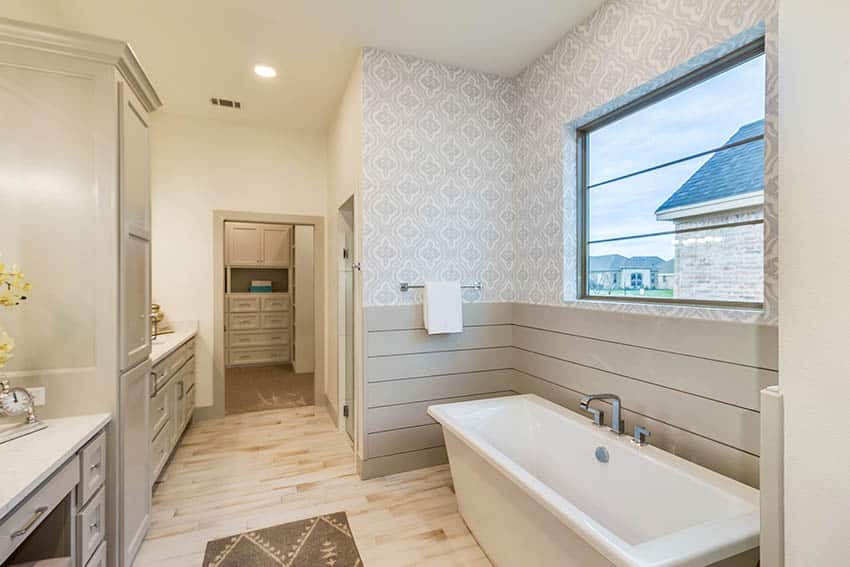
(733, 59)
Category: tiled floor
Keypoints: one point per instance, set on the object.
(254, 470)
(260, 388)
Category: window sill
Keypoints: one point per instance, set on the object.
(749, 315)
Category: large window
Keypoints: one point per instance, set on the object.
(671, 191)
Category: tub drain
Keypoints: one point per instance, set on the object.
(602, 454)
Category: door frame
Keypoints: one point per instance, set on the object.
(318, 224)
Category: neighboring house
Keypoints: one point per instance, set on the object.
(614, 271)
(724, 264)
(667, 275)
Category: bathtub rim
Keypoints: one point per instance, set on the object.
(676, 548)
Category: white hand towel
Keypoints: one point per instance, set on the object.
(443, 308)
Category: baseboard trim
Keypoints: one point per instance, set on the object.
(401, 462)
(208, 412)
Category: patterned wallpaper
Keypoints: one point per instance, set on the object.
(470, 176)
(623, 47)
(438, 177)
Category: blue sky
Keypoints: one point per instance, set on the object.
(692, 121)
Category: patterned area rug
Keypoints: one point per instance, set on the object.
(323, 540)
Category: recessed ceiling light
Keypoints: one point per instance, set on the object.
(265, 71)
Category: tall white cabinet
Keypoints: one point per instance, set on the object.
(77, 139)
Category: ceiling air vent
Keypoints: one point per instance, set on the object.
(226, 103)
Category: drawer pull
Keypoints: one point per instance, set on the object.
(39, 512)
(94, 466)
(93, 526)
(162, 409)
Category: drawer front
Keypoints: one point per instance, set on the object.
(92, 468)
(91, 526)
(242, 304)
(160, 449)
(263, 338)
(160, 375)
(275, 320)
(256, 356)
(17, 526)
(179, 357)
(158, 411)
(275, 303)
(189, 406)
(98, 559)
(243, 321)
(189, 375)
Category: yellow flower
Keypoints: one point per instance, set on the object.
(7, 344)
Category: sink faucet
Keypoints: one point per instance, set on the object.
(617, 424)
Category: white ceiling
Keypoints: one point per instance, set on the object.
(197, 49)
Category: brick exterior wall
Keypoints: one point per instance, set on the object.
(725, 264)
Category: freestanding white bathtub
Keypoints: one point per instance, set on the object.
(533, 493)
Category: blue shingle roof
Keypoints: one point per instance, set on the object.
(728, 173)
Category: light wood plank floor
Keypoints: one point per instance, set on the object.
(255, 470)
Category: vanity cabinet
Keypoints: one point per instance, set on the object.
(62, 521)
(76, 144)
(257, 245)
(171, 405)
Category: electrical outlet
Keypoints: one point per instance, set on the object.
(39, 395)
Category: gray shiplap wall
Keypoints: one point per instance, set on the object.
(406, 371)
(694, 383)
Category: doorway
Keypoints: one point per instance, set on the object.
(268, 315)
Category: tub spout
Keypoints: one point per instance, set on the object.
(617, 423)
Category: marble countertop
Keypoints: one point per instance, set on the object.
(30, 460)
(164, 345)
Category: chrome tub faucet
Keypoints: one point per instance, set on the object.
(617, 423)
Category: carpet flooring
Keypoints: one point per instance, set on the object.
(261, 388)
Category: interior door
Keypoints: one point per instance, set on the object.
(276, 247)
(134, 450)
(346, 314)
(135, 259)
(244, 244)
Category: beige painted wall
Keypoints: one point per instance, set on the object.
(344, 170)
(814, 370)
(202, 165)
(45, 12)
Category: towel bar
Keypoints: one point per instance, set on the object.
(404, 286)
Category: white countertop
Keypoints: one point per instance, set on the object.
(28, 461)
(164, 345)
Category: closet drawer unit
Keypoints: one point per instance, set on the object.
(257, 356)
(274, 303)
(159, 411)
(92, 468)
(242, 304)
(99, 557)
(274, 320)
(263, 338)
(160, 448)
(243, 321)
(91, 526)
(17, 526)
